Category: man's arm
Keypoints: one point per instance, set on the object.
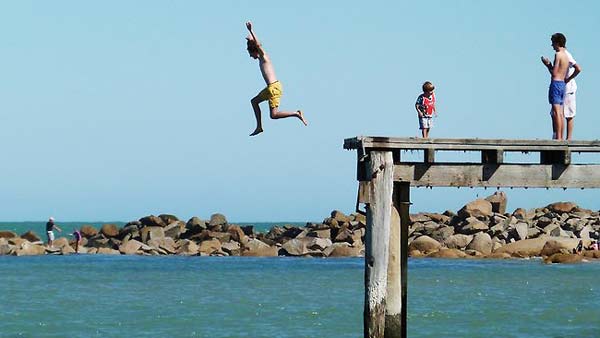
(547, 63)
(57, 228)
(575, 73)
(258, 45)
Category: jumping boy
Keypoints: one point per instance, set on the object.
(425, 107)
(273, 91)
(569, 101)
(558, 82)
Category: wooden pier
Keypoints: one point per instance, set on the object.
(384, 188)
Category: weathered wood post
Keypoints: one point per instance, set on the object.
(393, 304)
(380, 170)
(402, 202)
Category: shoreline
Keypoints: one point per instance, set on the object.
(480, 229)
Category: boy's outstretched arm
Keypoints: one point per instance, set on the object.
(258, 44)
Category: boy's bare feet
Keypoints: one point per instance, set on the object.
(256, 131)
(301, 117)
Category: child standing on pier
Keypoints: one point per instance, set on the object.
(425, 107)
(273, 91)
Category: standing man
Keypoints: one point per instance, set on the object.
(561, 94)
(50, 226)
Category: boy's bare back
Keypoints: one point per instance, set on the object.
(561, 65)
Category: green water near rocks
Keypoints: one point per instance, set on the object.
(138, 296)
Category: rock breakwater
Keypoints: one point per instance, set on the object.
(480, 229)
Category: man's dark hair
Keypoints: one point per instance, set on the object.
(559, 39)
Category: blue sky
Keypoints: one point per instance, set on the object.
(114, 110)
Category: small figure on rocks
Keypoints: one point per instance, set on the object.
(50, 226)
(425, 107)
(273, 91)
(579, 247)
(594, 245)
(77, 235)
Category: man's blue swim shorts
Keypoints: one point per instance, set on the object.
(556, 92)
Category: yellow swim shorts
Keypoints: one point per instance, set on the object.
(272, 93)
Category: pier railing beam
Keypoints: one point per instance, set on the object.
(380, 170)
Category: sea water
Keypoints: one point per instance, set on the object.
(171, 296)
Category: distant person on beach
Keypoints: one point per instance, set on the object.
(50, 226)
(558, 83)
(77, 236)
(273, 91)
(425, 107)
(569, 102)
(594, 245)
(579, 247)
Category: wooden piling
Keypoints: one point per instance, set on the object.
(379, 211)
(393, 304)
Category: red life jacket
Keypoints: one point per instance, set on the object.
(429, 104)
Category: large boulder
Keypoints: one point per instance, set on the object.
(7, 234)
(187, 248)
(564, 258)
(29, 249)
(174, 229)
(88, 231)
(340, 217)
(232, 248)
(149, 233)
(196, 225)
(110, 230)
(5, 248)
(476, 208)
(217, 221)
(482, 242)
(447, 253)
(236, 233)
(168, 219)
(60, 242)
(210, 246)
(317, 243)
(342, 249)
(498, 201)
(31, 236)
(556, 245)
(521, 231)
(166, 244)
(152, 221)
(443, 233)
(130, 247)
(255, 247)
(458, 241)
(108, 251)
(562, 207)
(473, 225)
(296, 247)
(524, 248)
(425, 244)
